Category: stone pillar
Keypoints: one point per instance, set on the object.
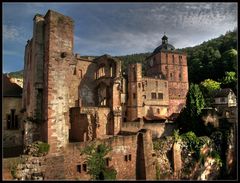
(177, 162)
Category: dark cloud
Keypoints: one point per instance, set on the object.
(125, 28)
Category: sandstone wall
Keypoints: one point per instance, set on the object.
(12, 137)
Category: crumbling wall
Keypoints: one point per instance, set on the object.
(160, 129)
(12, 137)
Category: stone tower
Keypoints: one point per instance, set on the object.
(167, 63)
(135, 101)
(58, 52)
(47, 56)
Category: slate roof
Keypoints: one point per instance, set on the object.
(163, 47)
(222, 92)
(10, 89)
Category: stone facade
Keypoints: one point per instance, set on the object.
(70, 101)
(162, 92)
(11, 117)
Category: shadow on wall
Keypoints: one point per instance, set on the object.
(83, 126)
(110, 124)
(12, 151)
(150, 112)
(86, 87)
(140, 159)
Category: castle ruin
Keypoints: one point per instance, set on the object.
(70, 101)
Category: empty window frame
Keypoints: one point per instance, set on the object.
(85, 167)
(130, 157)
(153, 95)
(134, 95)
(126, 158)
(160, 96)
(107, 161)
(79, 168)
(139, 85)
(12, 120)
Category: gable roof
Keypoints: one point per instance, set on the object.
(10, 89)
(222, 92)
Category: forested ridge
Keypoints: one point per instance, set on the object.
(210, 60)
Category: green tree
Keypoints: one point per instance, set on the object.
(229, 60)
(96, 162)
(189, 119)
(210, 85)
(195, 100)
(230, 81)
(207, 87)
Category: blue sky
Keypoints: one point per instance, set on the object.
(118, 28)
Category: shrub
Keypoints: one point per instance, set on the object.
(110, 174)
(37, 148)
(191, 140)
(96, 155)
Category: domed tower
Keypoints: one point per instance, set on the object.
(169, 64)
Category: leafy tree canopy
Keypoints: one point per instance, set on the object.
(210, 85)
(96, 162)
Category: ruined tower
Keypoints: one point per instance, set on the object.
(46, 57)
(135, 101)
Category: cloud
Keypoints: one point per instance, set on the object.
(13, 33)
(123, 28)
(126, 29)
(10, 32)
(9, 52)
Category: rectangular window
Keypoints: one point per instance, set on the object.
(144, 96)
(85, 167)
(107, 161)
(154, 95)
(156, 84)
(129, 157)
(222, 99)
(180, 77)
(171, 76)
(158, 110)
(79, 168)
(80, 73)
(12, 120)
(139, 85)
(134, 74)
(160, 96)
(134, 95)
(74, 71)
(126, 158)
